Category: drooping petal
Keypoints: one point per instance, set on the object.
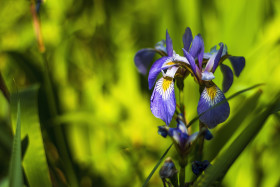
(155, 70)
(238, 63)
(207, 76)
(187, 39)
(143, 59)
(209, 98)
(228, 77)
(169, 45)
(213, 62)
(197, 49)
(191, 60)
(163, 103)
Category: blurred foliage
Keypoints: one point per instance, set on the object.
(94, 112)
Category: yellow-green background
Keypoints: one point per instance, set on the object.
(104, 102)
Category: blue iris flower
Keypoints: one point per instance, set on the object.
(163, 102)
(204, 74)
(179, 135)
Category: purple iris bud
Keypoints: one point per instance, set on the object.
(168, 170)
(208, 135)
(163, 131)
(198, 167)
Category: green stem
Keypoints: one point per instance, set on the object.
(182, 176)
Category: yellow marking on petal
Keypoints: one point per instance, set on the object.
(170, 63)
(212, 91)
(166, 83)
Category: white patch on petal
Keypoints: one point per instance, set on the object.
(212, 95)
(165, 87)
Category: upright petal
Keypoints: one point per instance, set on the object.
(228, 77)
(187, 39)
(213, 62)
(197, 49)
(155, 70)
(169, 45)
(163, 103)
(143, 59)
(194, 67)
(218, 57)
(238, 63)
(209, 98)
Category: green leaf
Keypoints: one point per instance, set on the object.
(34, 162)
(156, 166)
(223, 101)
(221, 137)
(213, 175)
(15, 173)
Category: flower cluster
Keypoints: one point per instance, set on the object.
(213, 107)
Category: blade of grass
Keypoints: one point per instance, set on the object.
(15, 173)
(213, 175)
(156, 166)
(34, 162)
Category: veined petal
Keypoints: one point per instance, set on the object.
(187, 39)
(194, 67)
(163, 103)
(197, 49)
(228, 77)
(210, 97)
(238, 63)
(169, 45)
(207, 76)
(143, 59)
(155, 70)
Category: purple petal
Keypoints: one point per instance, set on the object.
(238, 63)
(155, 70)
(192, 63)
(218, 57)
(228, 77)
(163, 103)
(218, 114)
(187, 39)
(197, 49)
(169, 46)
(143, 59)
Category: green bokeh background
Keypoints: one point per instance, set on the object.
(102, 100)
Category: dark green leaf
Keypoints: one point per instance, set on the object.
(156, 166)
(214, 174)
(34, 162)
(15, 173)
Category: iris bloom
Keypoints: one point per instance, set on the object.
(179, 135)
(211, 95)
(163, 103)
